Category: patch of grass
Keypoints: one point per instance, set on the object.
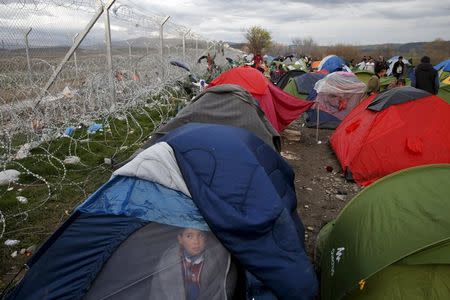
(54, 189)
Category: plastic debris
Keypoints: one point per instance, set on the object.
(30, 250)
(10, 189)
(319, 142)
(23, 152)
(108, 161)
(68, 93)
(308, 189)
(72, 160)
(340, 197)
(69, 131)
(9, 176)
(22, 251)
(14, 254)
(94, 128)
(11, 243)
(310, 228)
(22, 200)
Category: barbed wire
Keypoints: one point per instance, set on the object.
(34, 139)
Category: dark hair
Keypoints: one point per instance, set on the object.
(425, 59)
(400, 57)
(379, 67)
(401, 80)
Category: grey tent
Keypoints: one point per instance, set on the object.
(226, 104)
(396, 96)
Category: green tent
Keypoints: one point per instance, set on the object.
(444, 92)
(392, 241)
(291, 88)
(363, 75)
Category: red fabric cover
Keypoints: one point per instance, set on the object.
(279, 107)
(375, 144)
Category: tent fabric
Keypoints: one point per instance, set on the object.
(305, 83)
(279, 107)
(337, 94)
(315, 64)
(137, 194)
(156, 164)
(392, 61)
(417, 282)
(340, 82)
(283, 81)
(291, 89)
(70, 264)
(364, 253)
(226, 104)
(364, 75)
(444, 92)
(154, 248)
(370, 144)
(240, 187)
(260, 179)
(443, 65)
(396, 96)
(326, 120)
(332, 63)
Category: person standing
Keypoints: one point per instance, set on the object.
(426, 76)
(399, 68)
(373, 86)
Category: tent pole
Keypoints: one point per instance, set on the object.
(317, 121)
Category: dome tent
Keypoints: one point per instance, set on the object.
(114, 243)
(397, 129)
(337, 94)
(279, 107)
(303, 86)
(392, 241)
(332, 63)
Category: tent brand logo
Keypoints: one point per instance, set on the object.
(339, 253)
(336, 256)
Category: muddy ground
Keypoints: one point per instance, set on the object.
(321, 193)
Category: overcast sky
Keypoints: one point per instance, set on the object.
(327, 21)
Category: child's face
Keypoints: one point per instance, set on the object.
(193, 241)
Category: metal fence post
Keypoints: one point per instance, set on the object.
(147, 44)
(184, 44)
(129, 54)
(75, 56)
(78, 41)
(196, 47)
(109, 54)
(30, 75)
(161, 45)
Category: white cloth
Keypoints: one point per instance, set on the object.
(156, 164)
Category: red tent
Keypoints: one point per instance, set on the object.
(395, 130)
(280, 108)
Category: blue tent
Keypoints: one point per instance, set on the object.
(305, 84)
(332, 63)
(444, 65)
(239, 188)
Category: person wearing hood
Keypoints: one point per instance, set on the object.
(399, 68)
(426, 77)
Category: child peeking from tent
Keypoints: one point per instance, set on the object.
(192, 268)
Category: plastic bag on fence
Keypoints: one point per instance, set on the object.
(340, 82)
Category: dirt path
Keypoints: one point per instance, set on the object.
(321, 194)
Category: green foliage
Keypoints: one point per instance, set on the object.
(258, 39)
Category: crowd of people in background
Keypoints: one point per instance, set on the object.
(423, 76)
